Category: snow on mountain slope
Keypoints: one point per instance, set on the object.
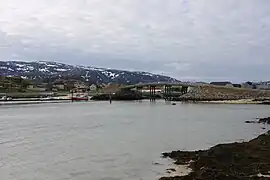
(41, 70)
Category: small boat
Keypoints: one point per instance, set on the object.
(5, 98)
(79, 97)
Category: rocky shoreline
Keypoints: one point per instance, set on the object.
(234, 161)
(215, 93)
(260, 120)
(200, 94)
(238, 101)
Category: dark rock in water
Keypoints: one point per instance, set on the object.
(253, 122)
(234, 161)
(173, 104)
(266, 103)
(265, 120)
(260, 120)
(166, 154)
(170, 170)
(156, 163)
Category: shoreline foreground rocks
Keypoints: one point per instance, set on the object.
(234, 161)
(265, 120)
(260, 121)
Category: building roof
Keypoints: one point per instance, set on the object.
(237, 85)
(249, 83)
(221, 83)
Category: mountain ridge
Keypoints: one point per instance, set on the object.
(42, 70)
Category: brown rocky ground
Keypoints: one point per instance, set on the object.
(234, 161)
(210, 93)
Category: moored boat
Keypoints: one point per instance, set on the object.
(80, 97)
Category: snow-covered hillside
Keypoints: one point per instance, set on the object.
(43, 70)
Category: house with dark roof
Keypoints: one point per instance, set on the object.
(237, 85)
(222, 83)
(249, 85)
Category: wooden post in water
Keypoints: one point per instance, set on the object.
(72, 95)
(139, 91)
(168, 93)
(110, 98)
(152, 93)
(165, 92)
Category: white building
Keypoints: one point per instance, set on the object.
(80, 85)
(93, 88)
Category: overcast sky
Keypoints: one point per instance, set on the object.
(187, 39)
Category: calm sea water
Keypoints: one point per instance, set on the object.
(121, 141)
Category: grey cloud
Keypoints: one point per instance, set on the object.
(193, 40)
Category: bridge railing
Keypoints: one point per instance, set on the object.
(160, 84)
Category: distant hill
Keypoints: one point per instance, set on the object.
(49, 71)
(263, 83)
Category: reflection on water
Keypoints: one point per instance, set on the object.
(124, 140)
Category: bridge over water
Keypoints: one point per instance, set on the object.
(168, 88)
(159, 84)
